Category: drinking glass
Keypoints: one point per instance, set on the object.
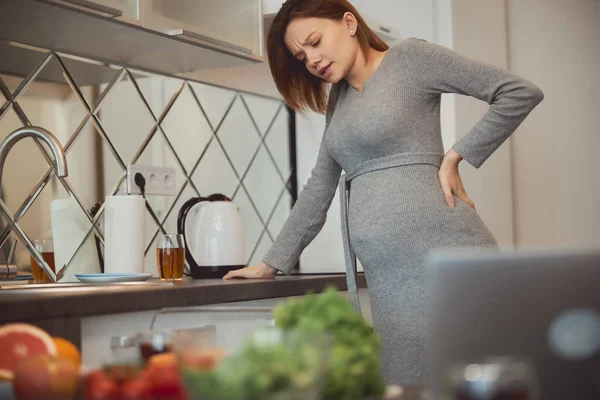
(46, 248)
(170, 256)
(153, 342)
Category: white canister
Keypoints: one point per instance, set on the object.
(124, 234)
(70, 226)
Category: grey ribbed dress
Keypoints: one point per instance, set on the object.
(387, 140)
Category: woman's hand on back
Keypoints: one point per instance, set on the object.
(262, 271)
(450, 179)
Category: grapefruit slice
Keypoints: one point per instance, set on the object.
(19, 341)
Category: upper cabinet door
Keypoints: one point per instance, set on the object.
(233, 25)
(124, 10)
(130, 8)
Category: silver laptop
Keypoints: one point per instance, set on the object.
(538, 310)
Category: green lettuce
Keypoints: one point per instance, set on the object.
(354, 370)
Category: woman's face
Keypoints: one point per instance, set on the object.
(326, 47)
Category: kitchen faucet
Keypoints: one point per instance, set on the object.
(56, 148)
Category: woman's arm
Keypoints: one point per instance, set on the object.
(511, 98)
(304, 222)
(307, 216)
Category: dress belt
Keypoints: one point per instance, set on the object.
(377, 164)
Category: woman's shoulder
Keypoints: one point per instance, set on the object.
(417, 55)
(413, 46)
(408, 43)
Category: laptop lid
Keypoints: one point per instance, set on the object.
(539, 305)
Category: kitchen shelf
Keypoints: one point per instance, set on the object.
(112, 41)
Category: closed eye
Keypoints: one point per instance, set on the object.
(315, 44)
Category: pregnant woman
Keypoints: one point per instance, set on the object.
(402, 196)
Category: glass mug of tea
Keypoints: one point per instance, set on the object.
(153, 342)
(170, 257)
(46, 249)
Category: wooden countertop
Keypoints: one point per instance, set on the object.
(59, 309)
(55, 301)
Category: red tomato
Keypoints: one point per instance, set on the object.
(96, 375)
(122, 373)
(136, 389)
(101, 387)
(167, 385)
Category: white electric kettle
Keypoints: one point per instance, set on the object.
(214, 236)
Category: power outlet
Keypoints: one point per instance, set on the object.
(159, 180)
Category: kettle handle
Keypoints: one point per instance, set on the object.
(181, 218)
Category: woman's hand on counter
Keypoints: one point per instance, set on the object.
(262, 271)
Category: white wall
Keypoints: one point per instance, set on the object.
(557, 189)
(408, 17)
(326, 252)
(479, 31)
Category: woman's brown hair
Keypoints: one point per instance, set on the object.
(299, 88)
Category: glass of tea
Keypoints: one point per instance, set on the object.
(46, 248)
(170, 257)
(153, 342)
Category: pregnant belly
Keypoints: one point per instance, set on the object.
(403, 211)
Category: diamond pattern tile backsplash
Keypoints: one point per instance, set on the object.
(217, 139)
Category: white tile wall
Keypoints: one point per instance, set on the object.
(209, 134)
(217, 134)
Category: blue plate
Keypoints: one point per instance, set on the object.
(114, 277)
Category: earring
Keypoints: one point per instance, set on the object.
(352, 32)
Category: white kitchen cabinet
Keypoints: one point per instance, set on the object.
(166, 37)
(232, 25)
(123, 10)
(233, 321)
(129, 8)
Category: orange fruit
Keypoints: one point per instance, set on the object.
(167, 359)
(46, 377)
(66, 350)
(202, 359)
(19, 341)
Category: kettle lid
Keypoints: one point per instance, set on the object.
(218, 197)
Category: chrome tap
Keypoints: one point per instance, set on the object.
(39, 133)
(35, 132)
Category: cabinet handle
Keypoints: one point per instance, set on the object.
(214, 309)
(123, 341)
(90, 5)
(197, 37)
